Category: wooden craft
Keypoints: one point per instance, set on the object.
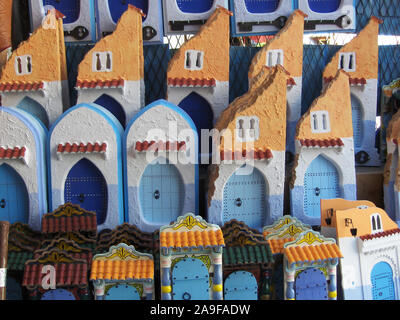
(4, 230)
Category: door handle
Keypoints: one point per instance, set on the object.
(157, 194)
(238, 202)
(317, 191)
(186, 296)
(2, 203)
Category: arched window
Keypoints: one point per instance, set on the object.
(376, 223)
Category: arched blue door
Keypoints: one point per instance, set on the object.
(321, 181)
(241, 285)
(86, 186)
(262, 6)
(357, 116)
(14, 199)
(34, 108)
(324, 6)
(190, 280)
(117, 8)
(161, 193)
(113, 106)
(244, 199)
(194, 6)
(311, 285)
(382, 282)
(58, 294)
(122, 292)
(70, 9)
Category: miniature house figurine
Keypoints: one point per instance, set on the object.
(23, 187)
(35, 77)
(191, 260)
(112, 75)
(161, 167)
(123, 274)
(248, 185)
(359, 58)
(187, 16)
(108, 13)
(79, 21)
(85, 163)
(286, 49)
(324, 162)
(198, 73)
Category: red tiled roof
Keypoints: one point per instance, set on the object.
(82, 147)
(21, 86)
(291, 82)
(323, 143)
(99, 84)
(160, 146)
(252, 154)
(312, 253)
(15, 153)
(380, 234)
(189, 82)
(353, 81)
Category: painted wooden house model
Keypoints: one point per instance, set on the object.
(248, 184)
(359, 58)
(35, 77)
(85, 163)
(112, 75)
(161, 168)
(191, 260)
(286, 49)
(324, 162)
(108, 12)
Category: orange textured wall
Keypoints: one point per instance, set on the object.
(365, 45)
(335, 99)
(290, 40)
(126, 45)
(5, 25)
(213, 40)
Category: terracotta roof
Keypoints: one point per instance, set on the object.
(82, 147)
(321, 143)
(100, 84)
(190, 82)
(160, 146)
(21, 86)
(12, 153)
(312, 253)
(353, 81)
(252, 154)
(380, 234)
(277, 245)
(122, 269)
(192, 239)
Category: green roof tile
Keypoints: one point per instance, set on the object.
(247, 255)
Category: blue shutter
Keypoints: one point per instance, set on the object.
(382, 282)
(122, 292)
(262, 6)
(113, 106)
(161, 193)
(356, 115)
(14, 199)
(86, 186)
(58, 294)
(244, 199)
(324, 6)
(321, 181)
(190, 280)
(194, 6)
(311, 285)
(34, 108)
(70, 9)
(118, 7)
(241, 285)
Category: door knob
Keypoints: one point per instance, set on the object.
(186, 296)
(2, 203)
(317, 191)
(238, 202)
(157, 194)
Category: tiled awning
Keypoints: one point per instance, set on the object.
(380, 234)
(160, 146)
(191, 82)
(277, 245)
(192, 239)
(122, 270)
(12, 153)
(246, 155)
(321, 143)
(352, 81)
(312, 253)
(18, 86)
(100, 84)
(75, 148)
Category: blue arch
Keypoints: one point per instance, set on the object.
(382, 282)
(117, 8)
(357, 119)
(113, 106)
(262, 6)
(34, 108)
(324, 6)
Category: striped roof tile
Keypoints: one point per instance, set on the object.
(17, 86)
(122, 269)
(380, 234)
(278, 244)
(352, 81)
(89, 147)
(12, 153)
(321, 143)
(312, 253)
(99, 84)
(192, 239)
(191, 82)
(245, 154)
(160, 146)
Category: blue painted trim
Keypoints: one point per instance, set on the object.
(93, 19)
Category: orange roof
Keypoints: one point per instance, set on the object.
(277, 245)
(122, 269)
(192, 239)
(312, 253)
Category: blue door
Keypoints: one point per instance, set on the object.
(14, 199)
(161, 193)
(70, 9)
(382, 282)
(58, 294)
(311, 285)
(113, 106)
(357, 116)
(190, 280)
(324, 6)
(34, 108)
(321, 181)
(244, 199)
(262, 6)
(118, 7)
(194, 6)
(122, 292)
(241, 285)
(86, 186)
